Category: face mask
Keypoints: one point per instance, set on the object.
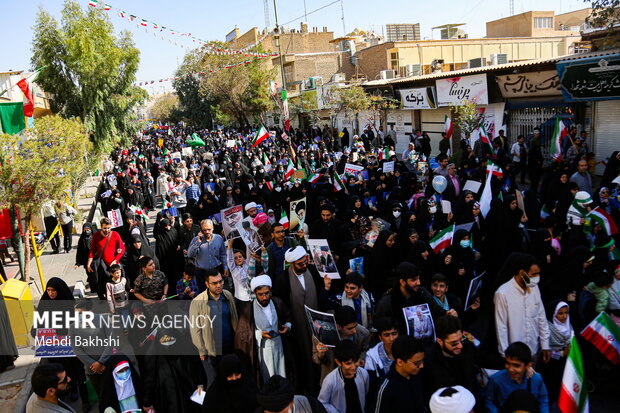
(87, 232)
(118, 200)
(278, 189)
(531, 282)
(432, 209)
(396, 214)
(123, 375)
(465, 243)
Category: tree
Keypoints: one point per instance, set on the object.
(352, 100)
(89, 70)
(38, 165)
(605, 13)
(380, 105)
(165, 108)
(466, 118)
(236, 85)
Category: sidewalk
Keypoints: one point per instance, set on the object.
(15, 385)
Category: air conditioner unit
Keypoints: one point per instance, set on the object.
(413, 70)
(338, 77)
(387, 74)
(479, 62)
(499, 59)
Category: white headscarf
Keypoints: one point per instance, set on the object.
(124, 388)
(563, 328)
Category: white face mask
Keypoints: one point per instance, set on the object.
(278, 189)
(396, 214)
(432, 209)
(531, 282)
(465, 243)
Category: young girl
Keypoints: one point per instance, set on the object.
(116, 293)
(559, 341)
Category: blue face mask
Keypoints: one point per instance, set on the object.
(465, 243)
(123, 375)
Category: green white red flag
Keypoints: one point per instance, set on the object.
(484, 136)
(604, 334)
(338, 185)
(443, 239)
(266, 163)
(290, 170)
(285, 112)
(573, 393)
(284, 220)
(601, 217)
(26, 88)
(559, 133)
(315, 178)
(447, 127)
(260, 136)
(269, 185)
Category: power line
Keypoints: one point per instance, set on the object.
(313, 11)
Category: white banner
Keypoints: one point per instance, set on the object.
(352, 169)
(493, 121)
(418, 98)
(455, 90)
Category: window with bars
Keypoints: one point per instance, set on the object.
(543, 22)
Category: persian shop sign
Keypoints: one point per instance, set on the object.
(597, 78)
(455, 90)
(545, 83)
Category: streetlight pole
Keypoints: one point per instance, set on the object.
(277, 39)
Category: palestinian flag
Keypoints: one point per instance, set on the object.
(26, 88)
(573, 394)
(338, 185)
(604, 334)
(290, 170)
(315, 178)
(260, 136)
(605, 220)
(559, 133)
(447, 127)
(284, 220)
(269, 185)
(266, 163)
(443, 239)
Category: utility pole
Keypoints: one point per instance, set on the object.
(277, 39)
(344, 27)
(305, 12)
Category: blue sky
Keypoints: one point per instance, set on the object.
(210, 19)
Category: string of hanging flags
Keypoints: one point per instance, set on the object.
(173, 35)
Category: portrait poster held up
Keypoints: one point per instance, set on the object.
(474, 291)
(323, 259)
(323, 326)
(231, 217)
(420, 323)
(249, 236)
(298, 214)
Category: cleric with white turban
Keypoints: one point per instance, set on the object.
(260, 281)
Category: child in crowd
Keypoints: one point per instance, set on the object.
(116, 293)
(513, 377)
(187, 288)
(346, 387)
(600, 288)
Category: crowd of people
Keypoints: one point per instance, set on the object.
(418, 323)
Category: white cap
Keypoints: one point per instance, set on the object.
(250, 205)
(295, 254)
(260, 281)
(454, 399)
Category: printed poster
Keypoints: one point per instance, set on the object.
(50, 344)
(474, 291)
(455, 90)
(323, 259)
(297, 214)
(420, 323)
(357, 265)
(231, 217)
(116, 217)
(323, 326)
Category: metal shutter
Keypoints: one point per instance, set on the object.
(606, 131)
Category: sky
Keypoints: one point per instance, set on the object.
(212, 20)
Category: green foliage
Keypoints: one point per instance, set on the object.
(89, 70)
(40, 163)
(165, 108)
(352, 100)
(605, 13)
(467, 117)
(239, 92)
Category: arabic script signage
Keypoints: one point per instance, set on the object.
(455, 90)
(597, 78)
(545, 83)
(418, 98)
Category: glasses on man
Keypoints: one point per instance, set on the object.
(418, 363)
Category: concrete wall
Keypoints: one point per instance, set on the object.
(522, 25)
(299, 41)
(303, 66)
(573, 18)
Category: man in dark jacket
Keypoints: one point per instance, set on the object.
(406, 293)
(402, 389)
(327, 227)
(453, 360)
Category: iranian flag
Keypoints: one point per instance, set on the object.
(443, 239)
(273, 88)
(484, 136)
(93, 3)
(284, 220)
(106, 7)
(269, 185)
(559, 133)
(573, 394)
(447, 127)
(315, 178)
(385, 153)
(487, 193)
(143, 23)
(338, 185)
(604, 334)
(605, 220)
(285, 113)
(121, 14)
(290, 170)
(260, 136)
(26, 88)
(266, 163)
